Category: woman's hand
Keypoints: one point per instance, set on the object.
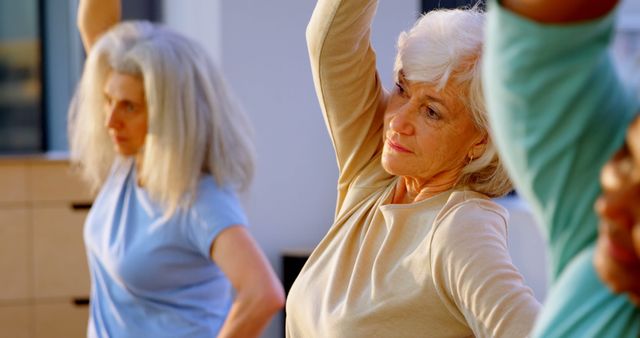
(259, 294)
(95, 17)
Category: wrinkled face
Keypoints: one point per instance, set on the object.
(428, 133)
(126, 112)
(617, 257)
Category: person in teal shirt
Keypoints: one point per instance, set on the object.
(559, 113)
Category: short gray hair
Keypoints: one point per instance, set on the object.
(446, 45)
(195, 126)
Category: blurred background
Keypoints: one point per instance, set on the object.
(261, 48)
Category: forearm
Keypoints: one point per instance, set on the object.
(560, 11)
(249, 315)
(342, 59)
(338, 26)
(96, 17)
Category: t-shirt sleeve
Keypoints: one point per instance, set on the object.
(474, 275)
(215, 210)
(558, 112)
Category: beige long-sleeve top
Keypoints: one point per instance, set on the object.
(436, 268)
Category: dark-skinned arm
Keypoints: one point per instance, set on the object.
(560, 11)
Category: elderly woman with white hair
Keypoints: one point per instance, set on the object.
(418, 248)
(154, 128)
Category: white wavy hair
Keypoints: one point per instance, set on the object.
(446, 45)
(194, 125)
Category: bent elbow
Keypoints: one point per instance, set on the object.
(264, 300)
(316, 35)
(314, 44)
(273, 299)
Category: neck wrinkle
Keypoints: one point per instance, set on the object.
(411, 190)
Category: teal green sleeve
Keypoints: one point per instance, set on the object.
(558, 112)
(580, 306)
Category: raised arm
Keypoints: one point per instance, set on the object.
(347, 84)
(95, 17)
(558, 111)
(565, 11)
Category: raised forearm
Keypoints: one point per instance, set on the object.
(96, 17)
(350, 93)
(560, 11)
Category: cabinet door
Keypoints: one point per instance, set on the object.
(63, 319)
(55, 181)
(15, 255)
(13, 180)
(15, 321)
(60, 264)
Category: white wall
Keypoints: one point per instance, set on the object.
(261, 45)
(198, 19)
(626, 45)
(527, 245)
(629, 15)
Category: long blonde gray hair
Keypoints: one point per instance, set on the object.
(194, 125)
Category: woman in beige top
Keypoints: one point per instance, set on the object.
(418, 249)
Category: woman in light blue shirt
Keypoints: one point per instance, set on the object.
(154, 129)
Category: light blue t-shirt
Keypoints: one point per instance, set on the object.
(152, 276)
(558, 113)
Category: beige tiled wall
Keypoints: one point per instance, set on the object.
(15, 321)
(59, 260)
(15, 253)
(57, 320)
(42, 257)
(13, 180)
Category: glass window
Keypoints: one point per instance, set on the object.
(21, 116)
